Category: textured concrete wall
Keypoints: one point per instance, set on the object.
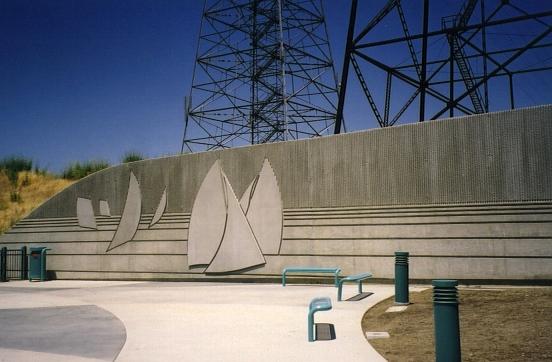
(470, 198)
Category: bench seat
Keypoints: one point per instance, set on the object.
(310, 269)
(352, 278)
(316, 305)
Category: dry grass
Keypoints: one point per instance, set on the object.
(33, 189)
(509, 324)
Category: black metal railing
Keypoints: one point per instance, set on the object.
(13, 264)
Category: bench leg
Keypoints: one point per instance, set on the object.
(310, 326)
(360, 287)
(283, 279)
(339, 291)
(336, 279)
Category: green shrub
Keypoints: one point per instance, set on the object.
(79, 170)
(40, 171)
(12, 165)
(132, 157)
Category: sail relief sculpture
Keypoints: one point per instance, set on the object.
(262, 205)
(229, 235)
(160, 209)
(238, 248)
(208, 219)
(130, 219)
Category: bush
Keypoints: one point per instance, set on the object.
(79, 170)
(13, 165)
(40, 171)
(132, 157)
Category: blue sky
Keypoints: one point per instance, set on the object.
(93, 79)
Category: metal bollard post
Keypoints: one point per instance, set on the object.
(401, 277)
(23, 263)
(447, 326)
(3, 264)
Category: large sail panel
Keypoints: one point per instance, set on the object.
(130, 218)
(208, 218)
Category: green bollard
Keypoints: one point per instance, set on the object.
(445, 316)
(401, 277)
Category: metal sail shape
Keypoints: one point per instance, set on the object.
(85, 213)
(262, 205)
(160, 209)
(239, 248)
(130, 219)
(208, 218)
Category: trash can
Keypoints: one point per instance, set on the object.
(37, 263)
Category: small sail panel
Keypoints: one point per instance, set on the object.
(160, 209)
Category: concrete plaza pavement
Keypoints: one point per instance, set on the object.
(160, 321)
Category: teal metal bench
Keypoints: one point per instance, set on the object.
(310, 269)
(316, 305)
(352, 278)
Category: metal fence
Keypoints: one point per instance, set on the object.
(13, 264)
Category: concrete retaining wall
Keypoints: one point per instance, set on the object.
(469, 198)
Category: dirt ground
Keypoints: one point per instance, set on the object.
(496, 324)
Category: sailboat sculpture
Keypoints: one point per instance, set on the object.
(208, 219)
(262, 205)
(220, 235)
(160, 209)
(130, 219)
(239, 248)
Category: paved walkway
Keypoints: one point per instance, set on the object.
(167, 321)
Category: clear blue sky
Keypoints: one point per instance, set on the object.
(92, 79)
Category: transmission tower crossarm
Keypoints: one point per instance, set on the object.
(496, 70)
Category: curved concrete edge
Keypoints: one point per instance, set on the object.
(11, 355)
(65, 331)
(414, 289)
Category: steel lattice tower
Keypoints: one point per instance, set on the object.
(402, 70)
(263, 73)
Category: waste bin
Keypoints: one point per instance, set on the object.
(37, 263)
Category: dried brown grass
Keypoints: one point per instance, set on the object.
(507, 324)
(33, 189)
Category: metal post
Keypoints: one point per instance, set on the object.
(446, 321)
(345, 70)
(485, 54)
(424, 61)
(511, 78)
(451, 75)
(3, 264)
(23, 262)
(401, 277)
